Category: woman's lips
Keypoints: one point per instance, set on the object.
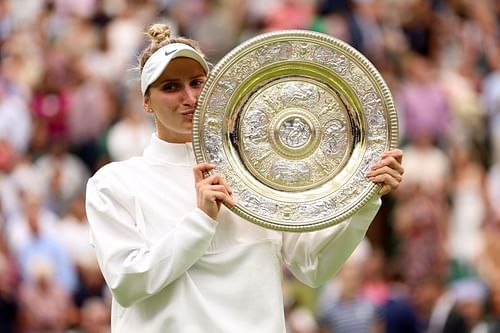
(188, 114)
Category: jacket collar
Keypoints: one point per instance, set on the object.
(159, 151)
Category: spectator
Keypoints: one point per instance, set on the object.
(95, 317)
(398, 314)
(432, 177)
(89, 98)
(45, 305)
(437, 307)
(9, 282)
(468, 206)
(36, 239)
(375, 287)
(471, 296)
(62, 175)
(129, 136)
(337, 316)
(490, 94)
(423, 103)
(74, 232)
(15, 119)
(420, 221)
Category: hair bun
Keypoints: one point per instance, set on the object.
(159, 33)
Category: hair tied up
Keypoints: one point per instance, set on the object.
(159, 33)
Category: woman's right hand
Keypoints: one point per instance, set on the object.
(211, 191)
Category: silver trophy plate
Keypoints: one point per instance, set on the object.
(293, 120)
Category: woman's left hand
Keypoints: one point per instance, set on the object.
(388, 172)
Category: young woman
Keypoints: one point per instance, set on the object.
(175, 258)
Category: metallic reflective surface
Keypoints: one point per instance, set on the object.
(293, 120)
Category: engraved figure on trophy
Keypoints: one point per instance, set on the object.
(271, 53)
(317, 208)
(294, 132)
(324, 56)
(273, 104)
(256, 128)
(257, 203)
(340, 63)
(301, 94)
(214, 146)
(291, 173)
(335, 138)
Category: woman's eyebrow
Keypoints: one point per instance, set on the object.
(179, 80)
(198, 76)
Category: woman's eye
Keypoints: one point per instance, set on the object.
(169, 87)
(197, 83)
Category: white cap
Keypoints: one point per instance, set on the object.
(160, 59)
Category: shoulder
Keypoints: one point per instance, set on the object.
(118, 175)
(119, 169)
(116, 183)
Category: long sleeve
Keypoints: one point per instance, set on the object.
(135, 268)
(314, 257)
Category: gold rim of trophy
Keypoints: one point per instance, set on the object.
(293, 120)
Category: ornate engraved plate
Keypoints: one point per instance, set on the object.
(293, 120)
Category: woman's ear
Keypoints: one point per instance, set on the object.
(145, 103)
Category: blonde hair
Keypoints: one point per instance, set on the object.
(160, 36)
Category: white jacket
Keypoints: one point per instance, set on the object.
(171, 268)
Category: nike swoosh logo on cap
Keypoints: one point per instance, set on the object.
(167, 53)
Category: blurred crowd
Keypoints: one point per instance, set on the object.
(70, 103)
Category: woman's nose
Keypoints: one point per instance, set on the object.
(191, 95)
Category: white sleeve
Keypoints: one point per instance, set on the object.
(313, 257)
(133, 268)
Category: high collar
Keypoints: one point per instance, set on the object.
(159, 151)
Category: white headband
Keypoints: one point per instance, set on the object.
(160, 59)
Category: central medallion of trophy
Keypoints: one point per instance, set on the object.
(294, 132)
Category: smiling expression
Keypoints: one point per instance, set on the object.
(173, 98)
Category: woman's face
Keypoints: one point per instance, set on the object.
(173, 98)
